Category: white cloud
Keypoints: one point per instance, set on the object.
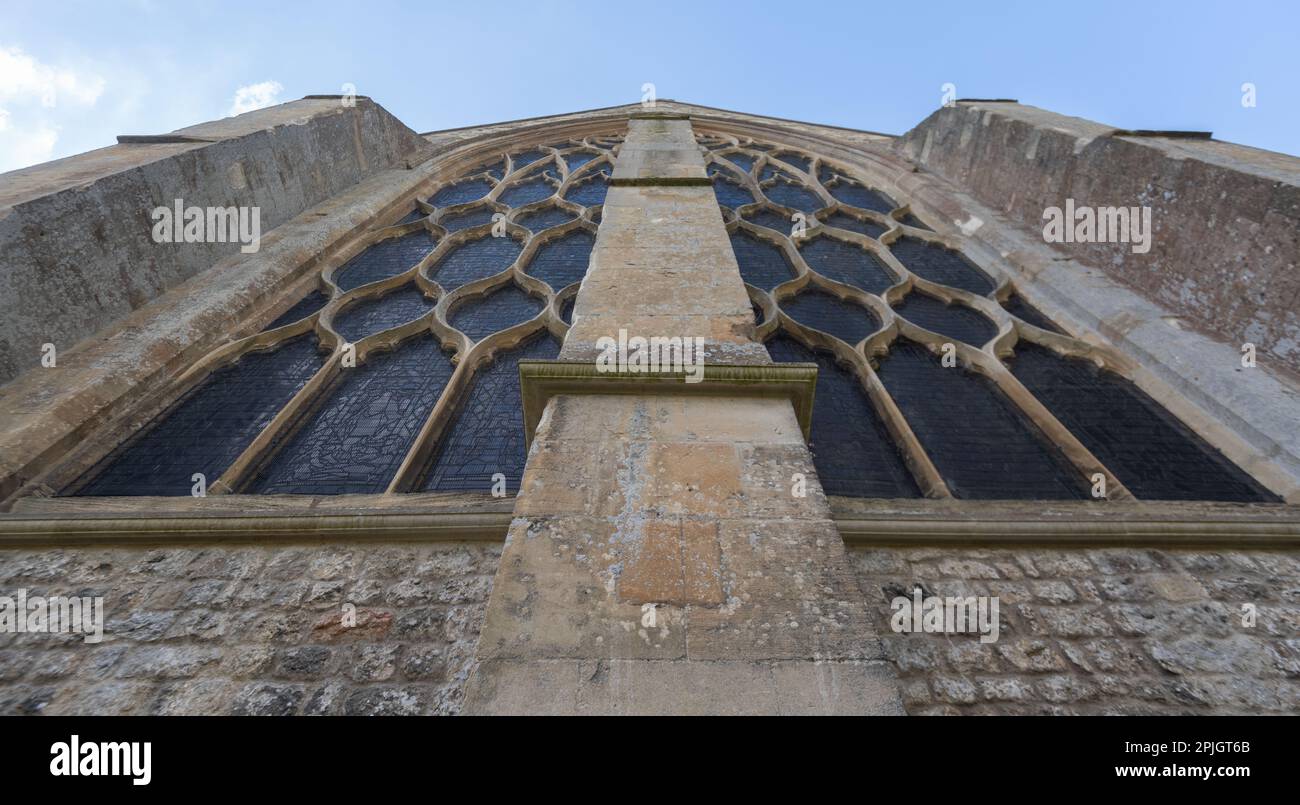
(255, 96)
(33, 95)
(31, 146)
(24, 79)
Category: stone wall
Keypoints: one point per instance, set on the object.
(1225, 246)
(252, 630)
(1097, 631)
(243, 629)
(76, 247)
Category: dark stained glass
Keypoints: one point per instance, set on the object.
(461, 192)
(589, 192)
(913, 221)
(468, 218)
(869, 228)
(803, 163)
(577, 159)
(762, 264)
(487, 434)
(855, 195)
(744, 161)
(771, 171)
(1018, 307)
(209, 427)
(821, 311)
(1151, 452)
(731, 194)
(525, 193)
(562, 262)
(304, 307)
(545, 218)
(771, 220)
(527, 158)
(566, 309)
(944, 266)
(476, 260)
(373, 315)
(793, 196)
(954, 321)
(497, 170)
(412, 216)
(851, 447)
(593, 169)
(846, 263)
(356, 440)
(981, 445)
(501, 309)
(385, 259)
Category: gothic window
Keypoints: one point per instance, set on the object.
(934, 377)
(399, 370)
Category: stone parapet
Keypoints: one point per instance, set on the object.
(1225, 247)
(76, 234)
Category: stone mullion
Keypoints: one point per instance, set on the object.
(269, 441)
(435, 425)
(1081, 458)
(915, 456)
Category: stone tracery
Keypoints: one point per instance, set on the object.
(850, 245)
(451, 276)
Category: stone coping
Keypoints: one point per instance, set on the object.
(660, 181)
(58, 522)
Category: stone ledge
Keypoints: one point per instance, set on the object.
(150, 529)
(439, 517)
(682, 687)
(661, 181)
(542, 380)
(1060, 524)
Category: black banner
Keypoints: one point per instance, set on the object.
(209, 755)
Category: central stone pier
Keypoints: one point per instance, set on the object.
(672, 551)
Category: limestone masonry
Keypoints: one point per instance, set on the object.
(371, 466)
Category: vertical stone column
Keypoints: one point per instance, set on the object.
(660, 559)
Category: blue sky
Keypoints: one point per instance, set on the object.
(73, 75)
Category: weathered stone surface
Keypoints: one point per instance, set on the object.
(1226, 242)
(683, 687)
(1176, 641)
(259, 654)
(103, 263)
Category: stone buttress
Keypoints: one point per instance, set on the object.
(661, 558)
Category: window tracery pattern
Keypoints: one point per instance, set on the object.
(399, 370)
(843, 274)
